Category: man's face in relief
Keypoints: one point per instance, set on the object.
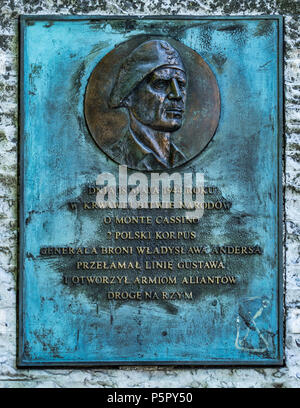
(158, 102)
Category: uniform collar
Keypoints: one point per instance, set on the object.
(132, 152)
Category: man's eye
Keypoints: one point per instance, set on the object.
(161, 84)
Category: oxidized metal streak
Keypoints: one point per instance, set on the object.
(170, 100)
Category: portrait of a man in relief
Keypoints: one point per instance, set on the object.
(151, 85)
(152, 103)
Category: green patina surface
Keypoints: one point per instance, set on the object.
(61, 160)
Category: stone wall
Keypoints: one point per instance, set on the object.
(10, 376)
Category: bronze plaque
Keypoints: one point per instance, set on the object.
(150, 214)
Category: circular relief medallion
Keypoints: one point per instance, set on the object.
(152, 103)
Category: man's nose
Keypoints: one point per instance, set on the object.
(175, 92)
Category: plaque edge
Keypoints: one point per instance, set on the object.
(280, 362)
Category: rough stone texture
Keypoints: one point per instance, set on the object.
(10, 376)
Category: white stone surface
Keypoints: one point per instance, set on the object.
(10, 376)
(293, 321)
